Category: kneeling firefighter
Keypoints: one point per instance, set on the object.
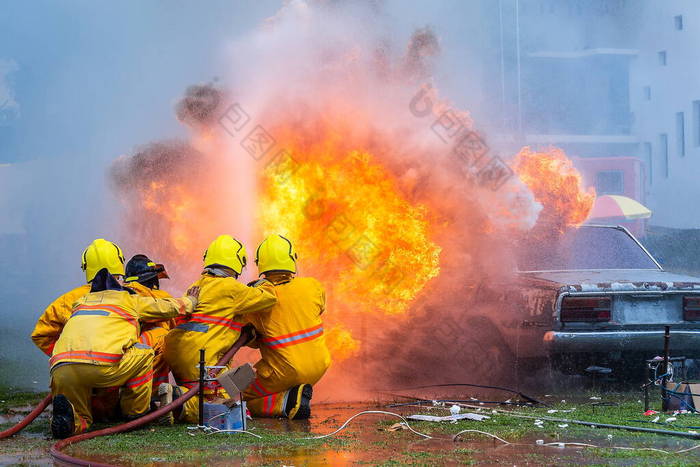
(212, 326)
(99, 346)
(290, 336)
(143, 277)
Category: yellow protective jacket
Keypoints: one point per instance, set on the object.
(212, 326)
(105, 324)
(165, 325)
(49, 326)
(290, 334)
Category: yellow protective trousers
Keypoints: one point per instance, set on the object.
(267, 396)
(133, 373)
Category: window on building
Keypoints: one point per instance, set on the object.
(662, 58)
(696, 123)
(680, 133)
(647, 93)
(663, 149)
(610, 182)
(678, 22)
(648, 162)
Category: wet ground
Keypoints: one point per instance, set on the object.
(368, 439)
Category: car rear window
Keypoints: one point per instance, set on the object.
(585, 248)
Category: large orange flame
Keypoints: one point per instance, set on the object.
(557, 185)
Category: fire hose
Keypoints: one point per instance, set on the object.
(28, 419)
(246, 336)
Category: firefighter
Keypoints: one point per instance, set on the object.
(214, 325)
(289, 335)
(143, 277)
(98, 346)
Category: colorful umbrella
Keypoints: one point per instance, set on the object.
(618, 207)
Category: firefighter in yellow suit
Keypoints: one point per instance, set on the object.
(290, 337)
(143, 277)
(98, 346)
(214, 325)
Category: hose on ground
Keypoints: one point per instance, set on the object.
(481, 386)
(28, 419)
(246, 336)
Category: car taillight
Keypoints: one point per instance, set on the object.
(691, 308)
(585, 309)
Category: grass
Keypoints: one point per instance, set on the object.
(367, 441)
(11, 397)
(173, 444)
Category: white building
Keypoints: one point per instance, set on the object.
(665, 100)
(610, 78)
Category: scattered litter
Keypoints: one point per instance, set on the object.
(539, 442)
(552, 411)
(671, 419)
(693, 432)
(455, 409)
(610, 437)
(650, 412)
(449, 418)
(547, 395)
(656, 419)
(563, 401)
(397, 427)
(563, 425)
(594, 398)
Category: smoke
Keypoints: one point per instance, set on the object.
(336, 117)
(200, 107)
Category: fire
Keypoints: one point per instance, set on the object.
(352, 227)
(175, 204)
(556, 184)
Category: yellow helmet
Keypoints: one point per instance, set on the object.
(276, 253)
(226, 251)
(101, 254)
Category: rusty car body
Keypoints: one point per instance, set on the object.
(596, 296)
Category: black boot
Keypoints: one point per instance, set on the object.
(299, 402)
(62, 421)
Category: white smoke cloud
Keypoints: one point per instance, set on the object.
(9, 108)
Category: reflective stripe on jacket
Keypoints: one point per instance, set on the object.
(212, 326)
(290, 334)
(105, 324)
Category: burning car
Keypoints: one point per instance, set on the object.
(595, 296)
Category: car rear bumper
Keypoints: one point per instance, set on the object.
(685, 341)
